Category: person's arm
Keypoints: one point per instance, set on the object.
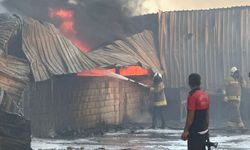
(189, 122)
(191, 107)
(151, 91)
(243, 83)
(224, 93)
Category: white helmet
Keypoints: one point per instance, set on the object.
(233, 69)
(157, 74)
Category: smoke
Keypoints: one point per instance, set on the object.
(2, 8)
(99, 22)
(96, 22)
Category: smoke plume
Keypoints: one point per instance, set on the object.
(95, 22)
(2, 8)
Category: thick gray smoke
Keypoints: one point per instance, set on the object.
(98, 22)
(2, 8)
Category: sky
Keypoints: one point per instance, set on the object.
(152, 6)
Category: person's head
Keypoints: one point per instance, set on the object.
(157, 78)
(233, 70)
(194, 80)
(235, 73)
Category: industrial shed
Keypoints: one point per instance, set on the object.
(205, 41)
(40, 55)
(74, 103)
(22, 63)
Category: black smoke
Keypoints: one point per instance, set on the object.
(98, 22)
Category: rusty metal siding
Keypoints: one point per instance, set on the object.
(14, 74)
(9, 25)
(49, 52)
(208, 42)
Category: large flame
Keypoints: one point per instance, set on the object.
(67, 25)
(127, 71)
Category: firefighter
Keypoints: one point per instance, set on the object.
(232, 95)
(159, 101)
(196, 128)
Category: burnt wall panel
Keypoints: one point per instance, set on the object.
(77, 103)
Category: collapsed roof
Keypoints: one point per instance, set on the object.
(45, 52)
(138, 50)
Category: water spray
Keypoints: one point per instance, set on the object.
(117, 76)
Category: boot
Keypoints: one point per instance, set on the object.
(241, 125)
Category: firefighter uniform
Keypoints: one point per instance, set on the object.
(159, 104)
(232, 95)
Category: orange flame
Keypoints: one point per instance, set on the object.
(134, 71)
(127, 71)
(67, 26)
(62, 13)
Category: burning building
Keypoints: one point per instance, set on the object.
(91, 98)
(24, 61)
(95, 100)
(179, 43)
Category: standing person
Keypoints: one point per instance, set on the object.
(232, 95)
(159, 100)
(196, 128)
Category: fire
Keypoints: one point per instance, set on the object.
(127, 71)
(64, 14)
(67, 26)
(134, 71)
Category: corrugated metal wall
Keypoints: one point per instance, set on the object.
(208, 42)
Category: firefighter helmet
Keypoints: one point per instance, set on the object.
(157, 78)
(233, 69)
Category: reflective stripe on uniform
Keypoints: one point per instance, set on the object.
(224, 92)
(234, 82)
(161, 103)
(234, 98)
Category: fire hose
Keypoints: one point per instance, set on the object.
(209, 144)
(117, 76)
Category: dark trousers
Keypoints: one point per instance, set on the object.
(197, 141)
(158, 114)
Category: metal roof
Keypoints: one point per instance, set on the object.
(49, 52)
(138, 49)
